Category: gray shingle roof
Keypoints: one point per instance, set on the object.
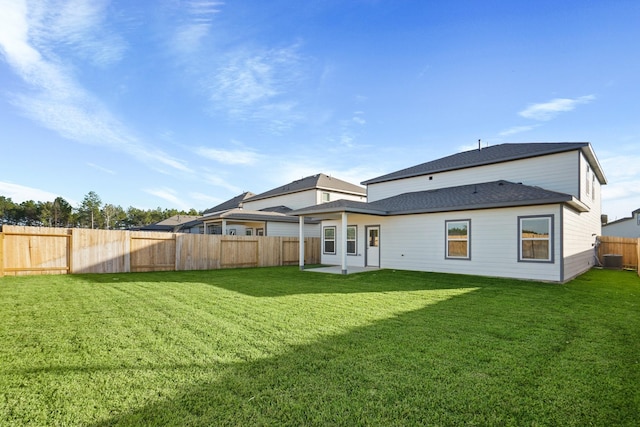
(318, 181)
(489, 155)
(475, 196)
(230, 204)
(496, 194)
(249, 215)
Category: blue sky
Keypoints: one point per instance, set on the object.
(185, 104)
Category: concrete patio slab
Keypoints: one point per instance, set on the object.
(336, 269)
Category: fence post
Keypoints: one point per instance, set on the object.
(70, 248)
(1, 254)
(177, 248)
(638, 258)
(127, 251)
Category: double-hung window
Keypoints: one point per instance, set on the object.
(352, 235)
(458, 239)
(329, 240)
(535, 238)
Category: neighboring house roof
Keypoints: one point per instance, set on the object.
(496, 194)
(493, 154)
(230, 204)
(318, 181)
(248, 215)
(177, 220)
(628, 218)
(155, 227)
(279, 209)
(170, 224)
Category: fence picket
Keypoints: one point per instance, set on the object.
(629, 248)
(41, 250)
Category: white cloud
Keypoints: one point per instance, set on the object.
(621, 195)
(14, 35)
(621, 167)
(548, 110)
(20, 193)
(169, 195)
(194, 25)
(517, 129)
(206, 198)
(56, 100)
(229, 157)
(100, 168)
(247, 80)
(357, 118)
(256, 86)
(80, 25)
(219, 182)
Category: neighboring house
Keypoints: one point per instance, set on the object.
(309, 191)
(624, 227)
(528, 211)
(170, 225)
(267, 213)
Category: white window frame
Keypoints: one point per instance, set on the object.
(354, 240)
(588, 181)
(467, 223)
(549, 239)
(325, 240)
(326, 197)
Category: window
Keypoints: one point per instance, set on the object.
(593, 187)
(587, 181)
(259, 231)
(329, 244)
(458, 239)
(536, 234)
(326, 197)
(352, 246)
(248, 232)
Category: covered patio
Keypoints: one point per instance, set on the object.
(338, 210)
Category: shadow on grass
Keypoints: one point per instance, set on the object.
(475, 359)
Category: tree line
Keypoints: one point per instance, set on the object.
(91, 213)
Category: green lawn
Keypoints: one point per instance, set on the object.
(276, 346)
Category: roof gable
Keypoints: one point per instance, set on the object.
(489, 155)
(319, 181)
(230, 204)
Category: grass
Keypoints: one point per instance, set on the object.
(276, 346)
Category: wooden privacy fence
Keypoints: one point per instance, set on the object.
(42, 250)
(629, 248)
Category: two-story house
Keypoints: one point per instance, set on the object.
(529, 211)
(267, 214)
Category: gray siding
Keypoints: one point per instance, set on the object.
(417, 242)
(297, 200)
(556, 172)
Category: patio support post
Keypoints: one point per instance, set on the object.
(224, 227)
(301, 245)
(344, 243)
